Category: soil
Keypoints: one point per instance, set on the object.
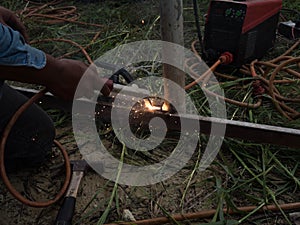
(43, 183)
(178, 194)
(185, 192)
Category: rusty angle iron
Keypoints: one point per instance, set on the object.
(258, 133)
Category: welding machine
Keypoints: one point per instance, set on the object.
(245, 28)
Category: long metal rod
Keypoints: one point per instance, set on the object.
(259, 133)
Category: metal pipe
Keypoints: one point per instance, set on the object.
(209, 213)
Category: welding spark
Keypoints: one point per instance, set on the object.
(154, 104)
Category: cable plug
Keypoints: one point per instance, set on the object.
(289, 29)
(226, 58)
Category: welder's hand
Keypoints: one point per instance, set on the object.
(92, 81)
(66, 82)
(9, 18)
(108, 86)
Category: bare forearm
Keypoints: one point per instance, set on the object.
(31, 75)
(57, 75)
(61, 77)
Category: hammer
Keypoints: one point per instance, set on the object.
(65, 214)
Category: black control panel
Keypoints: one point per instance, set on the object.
(223, 13)
(224, 32)
(223, 28)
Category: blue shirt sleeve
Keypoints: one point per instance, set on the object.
(15, 52)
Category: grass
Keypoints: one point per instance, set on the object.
(244, 173)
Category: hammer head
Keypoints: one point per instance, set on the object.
(79, 165)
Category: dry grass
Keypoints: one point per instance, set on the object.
(244, 173)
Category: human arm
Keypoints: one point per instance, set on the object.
(61, 77)
(21, 62)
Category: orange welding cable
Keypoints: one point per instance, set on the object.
(209, 213)
(247, 72)
(272, 65)
(55, 15)
(269, 65)
(208, 72)
(278, 98)
(234, 102)
(231, 101)
(294, 46)
(35, 9)
(6, 181)
(66, 41)
(78, 50)
(271, 83)
(206, 76)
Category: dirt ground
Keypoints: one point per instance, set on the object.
(179, 194)
(186, 192)
(143, 202)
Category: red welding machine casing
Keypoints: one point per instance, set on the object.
(246, 28)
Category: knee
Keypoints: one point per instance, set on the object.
(30, 141)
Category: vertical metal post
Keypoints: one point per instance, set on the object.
(172, 31)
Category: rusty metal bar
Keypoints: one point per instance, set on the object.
(48, 100)
(259, 133)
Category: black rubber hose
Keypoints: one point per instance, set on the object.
(196, 15)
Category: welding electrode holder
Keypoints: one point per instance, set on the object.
(117, 72)
(121, 72)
